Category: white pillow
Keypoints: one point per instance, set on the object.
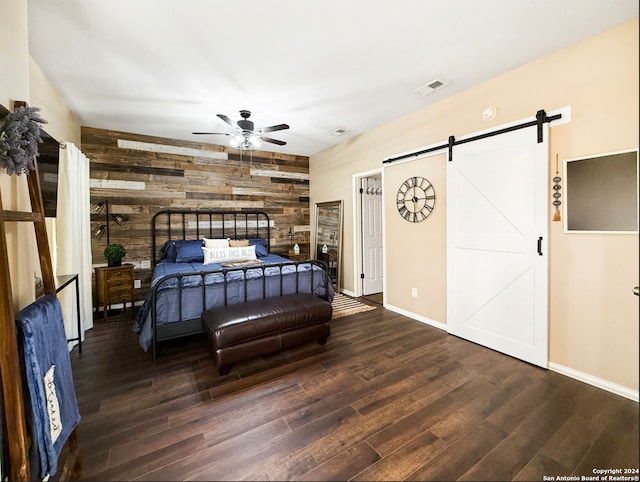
(226, 255)
(216, 243)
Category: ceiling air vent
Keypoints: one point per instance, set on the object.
(339, 131)
(431, 87)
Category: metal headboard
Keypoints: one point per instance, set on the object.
(173, 224)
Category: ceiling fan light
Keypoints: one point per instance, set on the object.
(254, 141)
(236, 140)
(245, 141)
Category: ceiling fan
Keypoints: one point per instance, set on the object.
(246, 137)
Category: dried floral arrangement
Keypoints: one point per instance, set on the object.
(19, 138)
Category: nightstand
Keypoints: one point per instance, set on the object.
(296, 257)
(114, 285)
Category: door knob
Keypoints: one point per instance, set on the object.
(636, 291)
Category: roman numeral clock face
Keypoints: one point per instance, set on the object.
(416, 199)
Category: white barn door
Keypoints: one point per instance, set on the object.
(497, 269)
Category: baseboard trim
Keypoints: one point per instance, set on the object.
(615, 388)
(414, 316)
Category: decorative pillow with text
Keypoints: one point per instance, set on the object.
(225, 255)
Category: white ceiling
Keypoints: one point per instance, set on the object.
(167, 67)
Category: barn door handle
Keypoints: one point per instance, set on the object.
(540, 245)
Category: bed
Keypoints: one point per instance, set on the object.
(194, 270)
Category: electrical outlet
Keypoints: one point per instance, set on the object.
(145, 264)
(414, 292)
(137, 284)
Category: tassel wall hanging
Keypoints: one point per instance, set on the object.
(556, 192)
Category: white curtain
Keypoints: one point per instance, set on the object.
(73, 238)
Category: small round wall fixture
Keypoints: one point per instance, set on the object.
(489, 113)
(416, 199)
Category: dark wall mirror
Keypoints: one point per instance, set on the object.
(328, 243)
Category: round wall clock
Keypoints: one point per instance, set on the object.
(416, 199)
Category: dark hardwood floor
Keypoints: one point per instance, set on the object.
(387, 398)
(375, 299)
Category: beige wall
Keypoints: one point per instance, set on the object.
(593, 314)
(21, 79)
(14, 52)
(422, 265)
(14, 85)
(62, 125)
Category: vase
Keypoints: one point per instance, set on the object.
(114, 262)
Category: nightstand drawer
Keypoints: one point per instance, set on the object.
(119, 293)
(118, 282)
(119, 285)
(119, 274)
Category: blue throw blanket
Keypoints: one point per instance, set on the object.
(47, 365)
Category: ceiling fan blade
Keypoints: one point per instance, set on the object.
(273, 141)
(226, 119)
(279, 127)
(210, 133)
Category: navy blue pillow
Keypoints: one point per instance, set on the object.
(260, 244)
(168, 252)
(261, 251)
(189, 251)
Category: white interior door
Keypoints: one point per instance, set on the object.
(372, 235)
(497, 203)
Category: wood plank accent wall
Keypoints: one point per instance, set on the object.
(141, 175)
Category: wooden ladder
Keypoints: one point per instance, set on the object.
(12, 388)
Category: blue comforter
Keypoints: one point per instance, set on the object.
(180, 297)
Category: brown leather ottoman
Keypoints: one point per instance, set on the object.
(253, 328)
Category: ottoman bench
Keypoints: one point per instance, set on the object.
(245, 330)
